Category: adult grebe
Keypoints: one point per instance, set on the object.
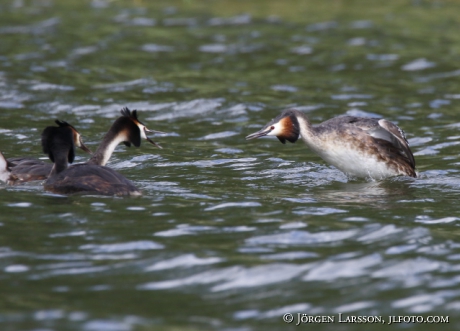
(25, 169)
(93, 177)
(360, 147)
(127, 129)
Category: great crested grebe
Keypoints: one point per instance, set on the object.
(126, 129)
(25, 169)
(360, 147)
(93, 177)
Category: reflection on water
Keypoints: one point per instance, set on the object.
(228, 235)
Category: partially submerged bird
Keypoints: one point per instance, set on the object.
(360, 147)
(24, 169)
(93, 177)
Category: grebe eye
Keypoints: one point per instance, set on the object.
(272, 128)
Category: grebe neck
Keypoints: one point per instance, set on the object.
(307, 131)
(106, 148)
(61, 163)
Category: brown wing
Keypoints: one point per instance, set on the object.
(381, 129)
(398, 138)
(25, 169)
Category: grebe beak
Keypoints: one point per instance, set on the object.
(153, 131)
(150, 140)
(154, 143)
(84, 148)
(260, 133)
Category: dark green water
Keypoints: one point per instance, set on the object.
(230, 234)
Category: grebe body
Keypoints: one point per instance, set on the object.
(90, 179)
(26, 169)
(359, 147)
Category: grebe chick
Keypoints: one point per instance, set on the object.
(359, 147)
(93, 177)
(127, 129)
(24, 169)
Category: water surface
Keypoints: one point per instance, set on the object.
(229, 234)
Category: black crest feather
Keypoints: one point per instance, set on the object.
(128, 113)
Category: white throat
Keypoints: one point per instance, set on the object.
(305, 129)
(111, 147)
(277, 129)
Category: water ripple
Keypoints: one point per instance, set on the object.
(218, 135)
(418, 64)
(234, 204)
(331, 270)
(354, 306)
(235, 277)
(235, 20)
(15, 268)
(121, 247)
(289, 256)
(272, 313)
(154, 48)
(48, 87)
(408, 268)
(184, 229)
(197, 107)
(301, 238)
(183, 261)
(317, 211)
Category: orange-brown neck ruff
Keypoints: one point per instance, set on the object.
(284, 127)
(290, 129)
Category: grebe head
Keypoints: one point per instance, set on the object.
(77, 139)
(59, 141)
(133, 129)
(284, 127)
